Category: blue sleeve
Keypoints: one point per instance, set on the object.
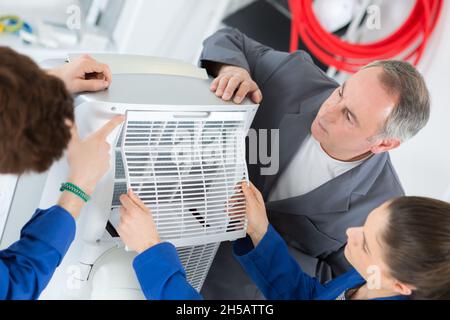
(27, 266)
(273, 270)
(162, 276)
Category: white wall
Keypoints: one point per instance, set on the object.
(423, 163)
(172, 29)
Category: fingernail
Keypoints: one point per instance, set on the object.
(226, 96)
(237, 99)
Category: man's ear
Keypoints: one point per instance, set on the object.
(385, 145)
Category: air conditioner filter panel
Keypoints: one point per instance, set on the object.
(187, 168)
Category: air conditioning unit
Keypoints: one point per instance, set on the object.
(182, 150)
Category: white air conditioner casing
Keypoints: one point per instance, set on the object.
(182, 150)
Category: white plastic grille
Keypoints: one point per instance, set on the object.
(196, 261)
(185, 168)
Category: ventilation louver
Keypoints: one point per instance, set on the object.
(196, 261)
(186, 168)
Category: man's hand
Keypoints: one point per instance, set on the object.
(235, 82)
(137, 228)
(256, 213)
(84, 74)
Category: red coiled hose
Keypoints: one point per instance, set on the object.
(407, 43)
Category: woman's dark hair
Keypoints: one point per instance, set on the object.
(417, 237)
(34, 107)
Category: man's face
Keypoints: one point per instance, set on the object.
(353, 114)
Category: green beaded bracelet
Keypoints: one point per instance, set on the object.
(75, 190)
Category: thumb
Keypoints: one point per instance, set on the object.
(248, 193)
(137, 200)
(257, 193)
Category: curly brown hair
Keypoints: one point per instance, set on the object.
(34, 109)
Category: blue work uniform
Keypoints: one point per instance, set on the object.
(27, 266)
(269, 265)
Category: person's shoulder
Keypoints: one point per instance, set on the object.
(377, 175)
(336, 286)
(392, 173)
(300, 68)
(303, 56)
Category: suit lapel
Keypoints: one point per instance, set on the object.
(293, 130)
(334, 195)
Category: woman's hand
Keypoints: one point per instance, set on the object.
(84, 74)
(256, 213)
(89, 158)
(88, 161)
(137, 228)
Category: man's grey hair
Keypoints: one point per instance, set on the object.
(412, 111)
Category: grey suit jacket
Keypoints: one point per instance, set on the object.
(312, 224)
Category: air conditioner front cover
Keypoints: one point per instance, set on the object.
(187, 167)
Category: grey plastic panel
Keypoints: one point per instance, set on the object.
(157, 90)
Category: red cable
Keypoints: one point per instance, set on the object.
(406, 43)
